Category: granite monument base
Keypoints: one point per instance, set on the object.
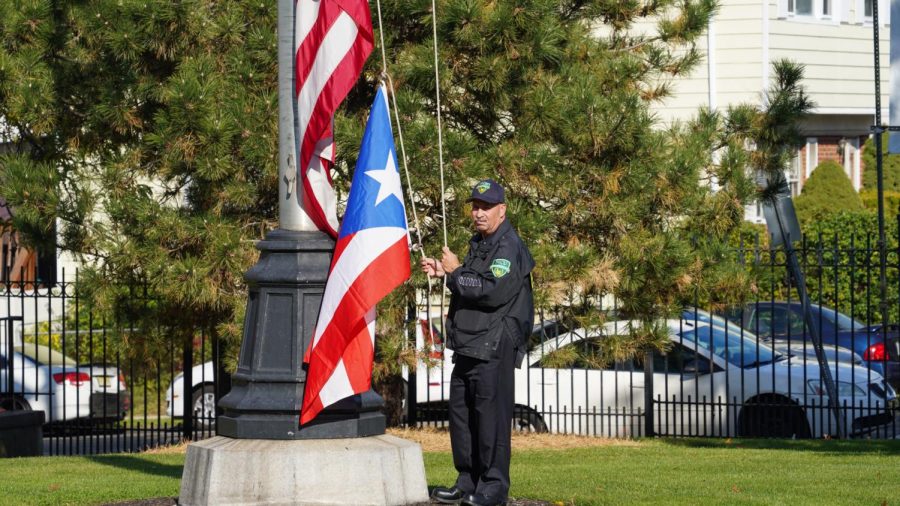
(376, 470)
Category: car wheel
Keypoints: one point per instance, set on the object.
(14, 404)
(204, 403)
(527, 420)
(773, 417)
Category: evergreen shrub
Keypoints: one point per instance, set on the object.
(891, 202)
(890, 166)
(828, 190)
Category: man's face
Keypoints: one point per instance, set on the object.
(487, 217)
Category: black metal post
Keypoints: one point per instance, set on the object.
(648, 395)
(879, 168)
(412, 407)
(222, 383)
(794, 269)
(187, 394)
(10, 350)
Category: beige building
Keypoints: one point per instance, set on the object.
(833, 39)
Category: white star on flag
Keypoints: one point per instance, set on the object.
(389, 180)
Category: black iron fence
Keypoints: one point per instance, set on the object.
(716, 379)
(102, 386)
(743, 370)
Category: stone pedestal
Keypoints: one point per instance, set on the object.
(377, 470)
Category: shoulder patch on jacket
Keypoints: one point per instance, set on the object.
(500, 267)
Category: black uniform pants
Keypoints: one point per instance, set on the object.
(481, 407)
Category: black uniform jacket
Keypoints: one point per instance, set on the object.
(491, 296)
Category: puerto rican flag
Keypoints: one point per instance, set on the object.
(371, 258)
(332, 40)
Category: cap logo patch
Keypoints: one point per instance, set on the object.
(500, 267)
(483, 187)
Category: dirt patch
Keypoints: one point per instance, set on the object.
(168, 449)
(438, 440)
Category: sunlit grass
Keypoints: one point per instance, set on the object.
(663, 471)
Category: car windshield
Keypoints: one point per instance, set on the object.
(701, 316)
(44, 355)
(843, 322)
(738, 350)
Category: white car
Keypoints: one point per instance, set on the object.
(202, 392)
(203, 384)
(45, 380)
(711, 382)
(433, 374)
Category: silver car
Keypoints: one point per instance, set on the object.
(45, 380)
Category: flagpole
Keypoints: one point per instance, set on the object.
(259, 419)
(285, 288)
(291, 213)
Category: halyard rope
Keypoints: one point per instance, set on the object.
(412, 203)
(437, 94)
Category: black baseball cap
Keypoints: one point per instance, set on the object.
(488, 190)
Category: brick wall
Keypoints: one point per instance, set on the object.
(827, 150)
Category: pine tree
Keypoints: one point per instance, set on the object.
(148, 129)
(551, 98)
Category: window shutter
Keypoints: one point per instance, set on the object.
(842, 12)
(782, 9)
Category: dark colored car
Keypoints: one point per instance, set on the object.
(783, 321)
(110, 398)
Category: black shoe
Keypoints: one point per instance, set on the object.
(480, 500)
(450, 495)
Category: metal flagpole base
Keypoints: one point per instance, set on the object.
(285, 292)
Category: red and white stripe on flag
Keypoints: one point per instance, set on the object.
(371, 258)
(341, 354)
(333, 39)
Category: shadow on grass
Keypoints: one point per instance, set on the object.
(855, 446)
(138, 464)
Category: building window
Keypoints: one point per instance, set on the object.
(800, 7)
(865, 12)
(793, 175)
(811, 10)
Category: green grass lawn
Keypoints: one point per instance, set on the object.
(669, 471)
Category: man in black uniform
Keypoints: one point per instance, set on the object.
(491, 313)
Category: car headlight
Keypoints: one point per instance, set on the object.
(844, 389)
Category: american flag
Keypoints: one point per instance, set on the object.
(371, 258)
(332, 38)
